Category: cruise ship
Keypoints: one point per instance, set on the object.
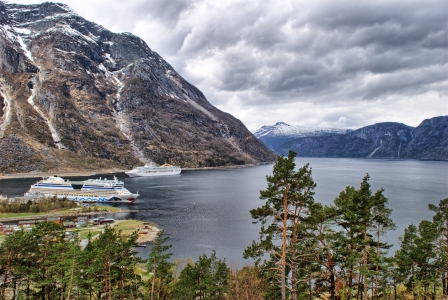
(154, 170)
(90, 190)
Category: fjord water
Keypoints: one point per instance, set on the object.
(203, 210)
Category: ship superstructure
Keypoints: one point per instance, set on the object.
(90, 190)
(154, 170)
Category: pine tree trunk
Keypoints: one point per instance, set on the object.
(332, 277)
(310, 289)
(445, 284)
(283, 259)
(412, 282)
(293, 281)
(375, 291)
(293, 254)
(153, 280)
(364, 281)
(14, 289)
(395, 290)
(27, 288)
(5, 278)
(350, 276)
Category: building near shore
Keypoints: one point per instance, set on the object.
(57, 220)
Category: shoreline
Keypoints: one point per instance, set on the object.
(146, 233)
(112, 171)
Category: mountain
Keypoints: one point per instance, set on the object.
(275, 135)
(429, 140)
(74, 95)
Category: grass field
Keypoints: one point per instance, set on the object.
(126, 227)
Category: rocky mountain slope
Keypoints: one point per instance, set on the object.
(429, 140)
(275, 135)
(74, 95)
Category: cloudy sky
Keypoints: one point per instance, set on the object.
(331, 63)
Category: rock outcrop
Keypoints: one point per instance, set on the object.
(79, 96)
(429, 140)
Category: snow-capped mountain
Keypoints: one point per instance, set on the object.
(74, 95)
(429, 140)
(275, 135)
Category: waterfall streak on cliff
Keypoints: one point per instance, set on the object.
(6, 114)
(122, 121)
(54, 133)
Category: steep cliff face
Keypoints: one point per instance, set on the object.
(430, 140)
(383, 140)
(79, 96)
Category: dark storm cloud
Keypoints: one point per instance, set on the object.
(347, 43)
(220, 29)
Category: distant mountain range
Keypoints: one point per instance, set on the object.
(429, 140)
(275, 135)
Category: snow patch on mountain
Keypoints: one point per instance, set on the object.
(282, 129)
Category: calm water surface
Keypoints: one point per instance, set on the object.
(205, 210)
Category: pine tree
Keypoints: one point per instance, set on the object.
(160, 267)
(246, 283)
(18, 262)
(206, 279)
(50, 258)
(363, 216)
(416, 256)
(441, 222)
(110, 263)
(284, 218)
(326, 238)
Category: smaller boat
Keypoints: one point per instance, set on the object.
(153, 169)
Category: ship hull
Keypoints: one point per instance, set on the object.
(152, 173)
(149, 171)
(86, 197)
(92, 190)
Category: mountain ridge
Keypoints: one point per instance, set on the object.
(429, 140)
(76, 95)
(275, 135)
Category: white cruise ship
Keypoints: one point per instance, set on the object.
(154, 170)
(90, 190)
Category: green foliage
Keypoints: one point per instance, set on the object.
(160, 268)
(45, 264)
(364, 217)
(247, 283)
(207, 279)
(285, 221)
(422, 257)
(41, 205)
(440, 221)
